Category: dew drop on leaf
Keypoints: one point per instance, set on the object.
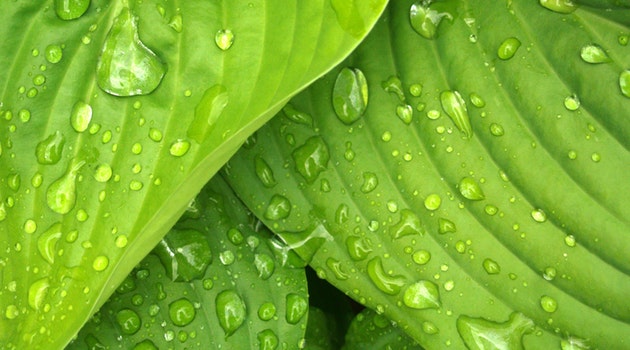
(409, 224)
(224, 39)
(469, 188)
(100, 263)
(560, 6)
(126, 67)
(37, 292)
(393, 85)
(572, 103)
(265, 265)
(267, 339)
(422, 295)
(266, 311)
(388, 284)
(207, 112)
(491, 267)
(370, 182)
(185, 254)
(433, 201)
(53, 53)
(429, 327)
(358, 247)
(47, 242)
(177, 23)
(594, 53)
(71, 9)
(297, 306)
(480, 333)
(446, 226)
(539, 215)
(350, 95)
(311, 158)
(181, 312)
(49, 150)
(455, 107)
(179, 148)
(624, 82)
(279, 208)
(508, 48)
(548, 304)
(61, 195)
(230, 310)
(425, 20)
(80, 116)
(128, 321)
(264, 172)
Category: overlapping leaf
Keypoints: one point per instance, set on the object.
(114, 115)
(462, 173)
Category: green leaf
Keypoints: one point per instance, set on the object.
(113, 116)
(245, 298)
(370, 330)
(498, 220)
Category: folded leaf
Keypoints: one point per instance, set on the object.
(479, 200)
(113, 116)
(243, 298)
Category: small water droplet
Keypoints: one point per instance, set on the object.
(49, 150)
(572, 103)
(265, 265)
(230, 310)
(433, 201)
(350, 95)
(560, 6)
(53, 53)
(508, 48)
(71, 9)
(358, 247)
(128, 321)
(539, 215)
(405, 113)
(311, 158)
(409, 224)
(477, 101)
(177, 22)
(80, 116)
(623, 39)
(446, 226)
(100, 263)
(455, 107)
(61, 195)
(135, 185)
(469, 188)
(548, 304)
(155, 135)
(549, 273)
(594, 53)
(491, 209)
(279, 208)
(624, 82)
(415, 90)
(425, 20)
(569, 240)
(266, 311)
(496, 129)
(207, 112)
(224, 39)
(264, 172)
(596, 157)
(181, 312)
(297, 306)
(179, 148)
(47, 242)
(479, 333)
(422, 295)
(421, 257)
(126, 67)
(267, 339)
(37, 292)
(491, 267)
(14, 181)
(11, 312)
(185, 254)
(370, 182)
(385, 282)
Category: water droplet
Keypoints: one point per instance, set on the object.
(24, 115)
(550, 273)
(265, 265)
(135, 185)
(49, 150)
(573, 343)
(480, 334)
(429, 327)
(455, 107)
(548, 304)
(596, 157)
(181, 312)
(39, 80)
(3, 211)
(496, 129)
(624, 82)
(623, 39)
(350, 95)
(179, 148)
(230, 310)
(311, 158)
(126, 67)
(477, 101)
(155, 135)
(61, 195)
(446, 226)
(370, 182)
(358, 247)
(53, 53)
(572, 103)
(207, 112)
(508, 48)
(421, 257)
(415, 90)
(37, 292)
(491, 209)
(185, 254)
(394, 85)
(422, 295)
(266, 311)
(433, 201)
(224, 39)
(103, 173)
(409, 224)
(80, 116)
(469, 188)
(539, 215)
(569, 240)
(594, 53)
(424, 20)
(14, 181)
(405, 113)
(177, 23)
(491, 267)
(279, 208)
(349, 18)
(268, 340)
(297, 306)
(128, 321)
(47, 242)
(121, 241)
(388, 284)
(71, 9)
(264, 172)
(11, 312)
(560, 6)
(100, 263)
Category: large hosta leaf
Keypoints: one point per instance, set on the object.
(114, 114)
(247, 297)
(481, 200)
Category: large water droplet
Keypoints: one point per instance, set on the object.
(491, 267)
(405, 113)
(548, 304)
(425, 20)
(37, 292)
(297, 306)
(265, 265)
(185, 254)
(350, 95)
(624, 82)
(230, 310)
(422, 295)
(53, 53)
(49, 150)
(358, 247)
(264, 172)
(446, 226)
(393, 85)
(80, 116)
(268, 340)
(560, 6)
(224, 39)
(61, 195)
(455, 107)
(100, 263)
(181, 312)
(370, 182)
(594, 53)
(311, 158)
(388, 284)
(266, 311)
(47, 242)
(482, 334)
(128, 321)
(71, 9)
(179, 148)
(279, 208)
(469, 188)
(207, 112)
(409, 224)
(126, 67)
(508, 48)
